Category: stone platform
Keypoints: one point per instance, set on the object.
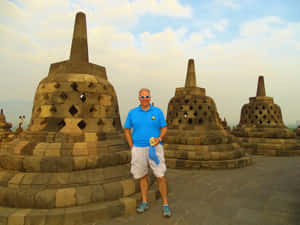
(267, 193)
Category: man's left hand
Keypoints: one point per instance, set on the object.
(157, 141)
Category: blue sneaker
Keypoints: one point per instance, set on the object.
(143, 207)
(166, 211)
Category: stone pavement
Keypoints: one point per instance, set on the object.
(266, 193)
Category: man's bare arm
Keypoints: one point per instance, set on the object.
(163, 132)
(128, 137)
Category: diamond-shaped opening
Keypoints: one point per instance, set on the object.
(74, 86)
(83, 97)
(185, 115)
(73, 110)
(53, 109)
(200, 121)
(100, 122)
(57, 85)
(63, 95)
(92, 109)
(91, 85)
(61, 124)
(190, 120)
(81, 124)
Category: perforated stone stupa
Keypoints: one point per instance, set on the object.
(71, 166)
(196, 136)
(4, 128)
(261, 129)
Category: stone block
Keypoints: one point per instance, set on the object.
(48, 164)
(97, 213)
(96, 176)
(45, 199)
(55, 217)
(64, 164)
(78, 177)
(83, 195)
(52, 152)
(15, 163)
(25, 198)
(128, 187)
(39, 152)
(116, 208)
(59, 179)
(65, 197)
(41, 179)
(36, 217)
(5, 176)
(97, 193)
(80, 149)
(18, 148)
(129, 205)
(32, 164)
(91, 137)
(79, 163)
(18, 218)
(112, 191)
(91, 162)
(114, 171)
(73, 216)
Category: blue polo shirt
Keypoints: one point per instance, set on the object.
(145, 124)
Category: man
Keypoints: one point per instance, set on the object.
(147, 121)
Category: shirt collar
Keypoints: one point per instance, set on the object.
(151, 107)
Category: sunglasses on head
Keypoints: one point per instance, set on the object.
(145, 97)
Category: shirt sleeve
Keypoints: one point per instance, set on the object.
(128, 122)
(162, 120)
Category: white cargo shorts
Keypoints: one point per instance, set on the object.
(140, 162)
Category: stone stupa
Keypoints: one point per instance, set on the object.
(196, 136)
(5, 131)
(261, 129)
(71, 166)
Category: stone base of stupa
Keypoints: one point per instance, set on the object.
(214, 152)
(268, 141)
(270, 146)
(77, 215)
(67, 183)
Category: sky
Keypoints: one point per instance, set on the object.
(147, 44)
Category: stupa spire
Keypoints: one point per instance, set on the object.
(79, 49)
(261, 87)
(190, 80)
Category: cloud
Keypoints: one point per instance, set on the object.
(233, 4)
(221, 25)
(158, 60)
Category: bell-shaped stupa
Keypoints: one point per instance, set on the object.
(196, 136)
(4, 128)
(71, 166)
(261, 129)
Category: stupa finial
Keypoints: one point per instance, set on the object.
(261, 87)
(79, 49)
(190, 80)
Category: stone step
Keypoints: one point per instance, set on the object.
(63, 179)
(60, 163)
(220, 164)
(204, 156)
(78, 215)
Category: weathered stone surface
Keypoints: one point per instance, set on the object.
(261, 125)
(65, 197)
(4, 128)
(197, 137)
(45, 199)
(74, 152)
